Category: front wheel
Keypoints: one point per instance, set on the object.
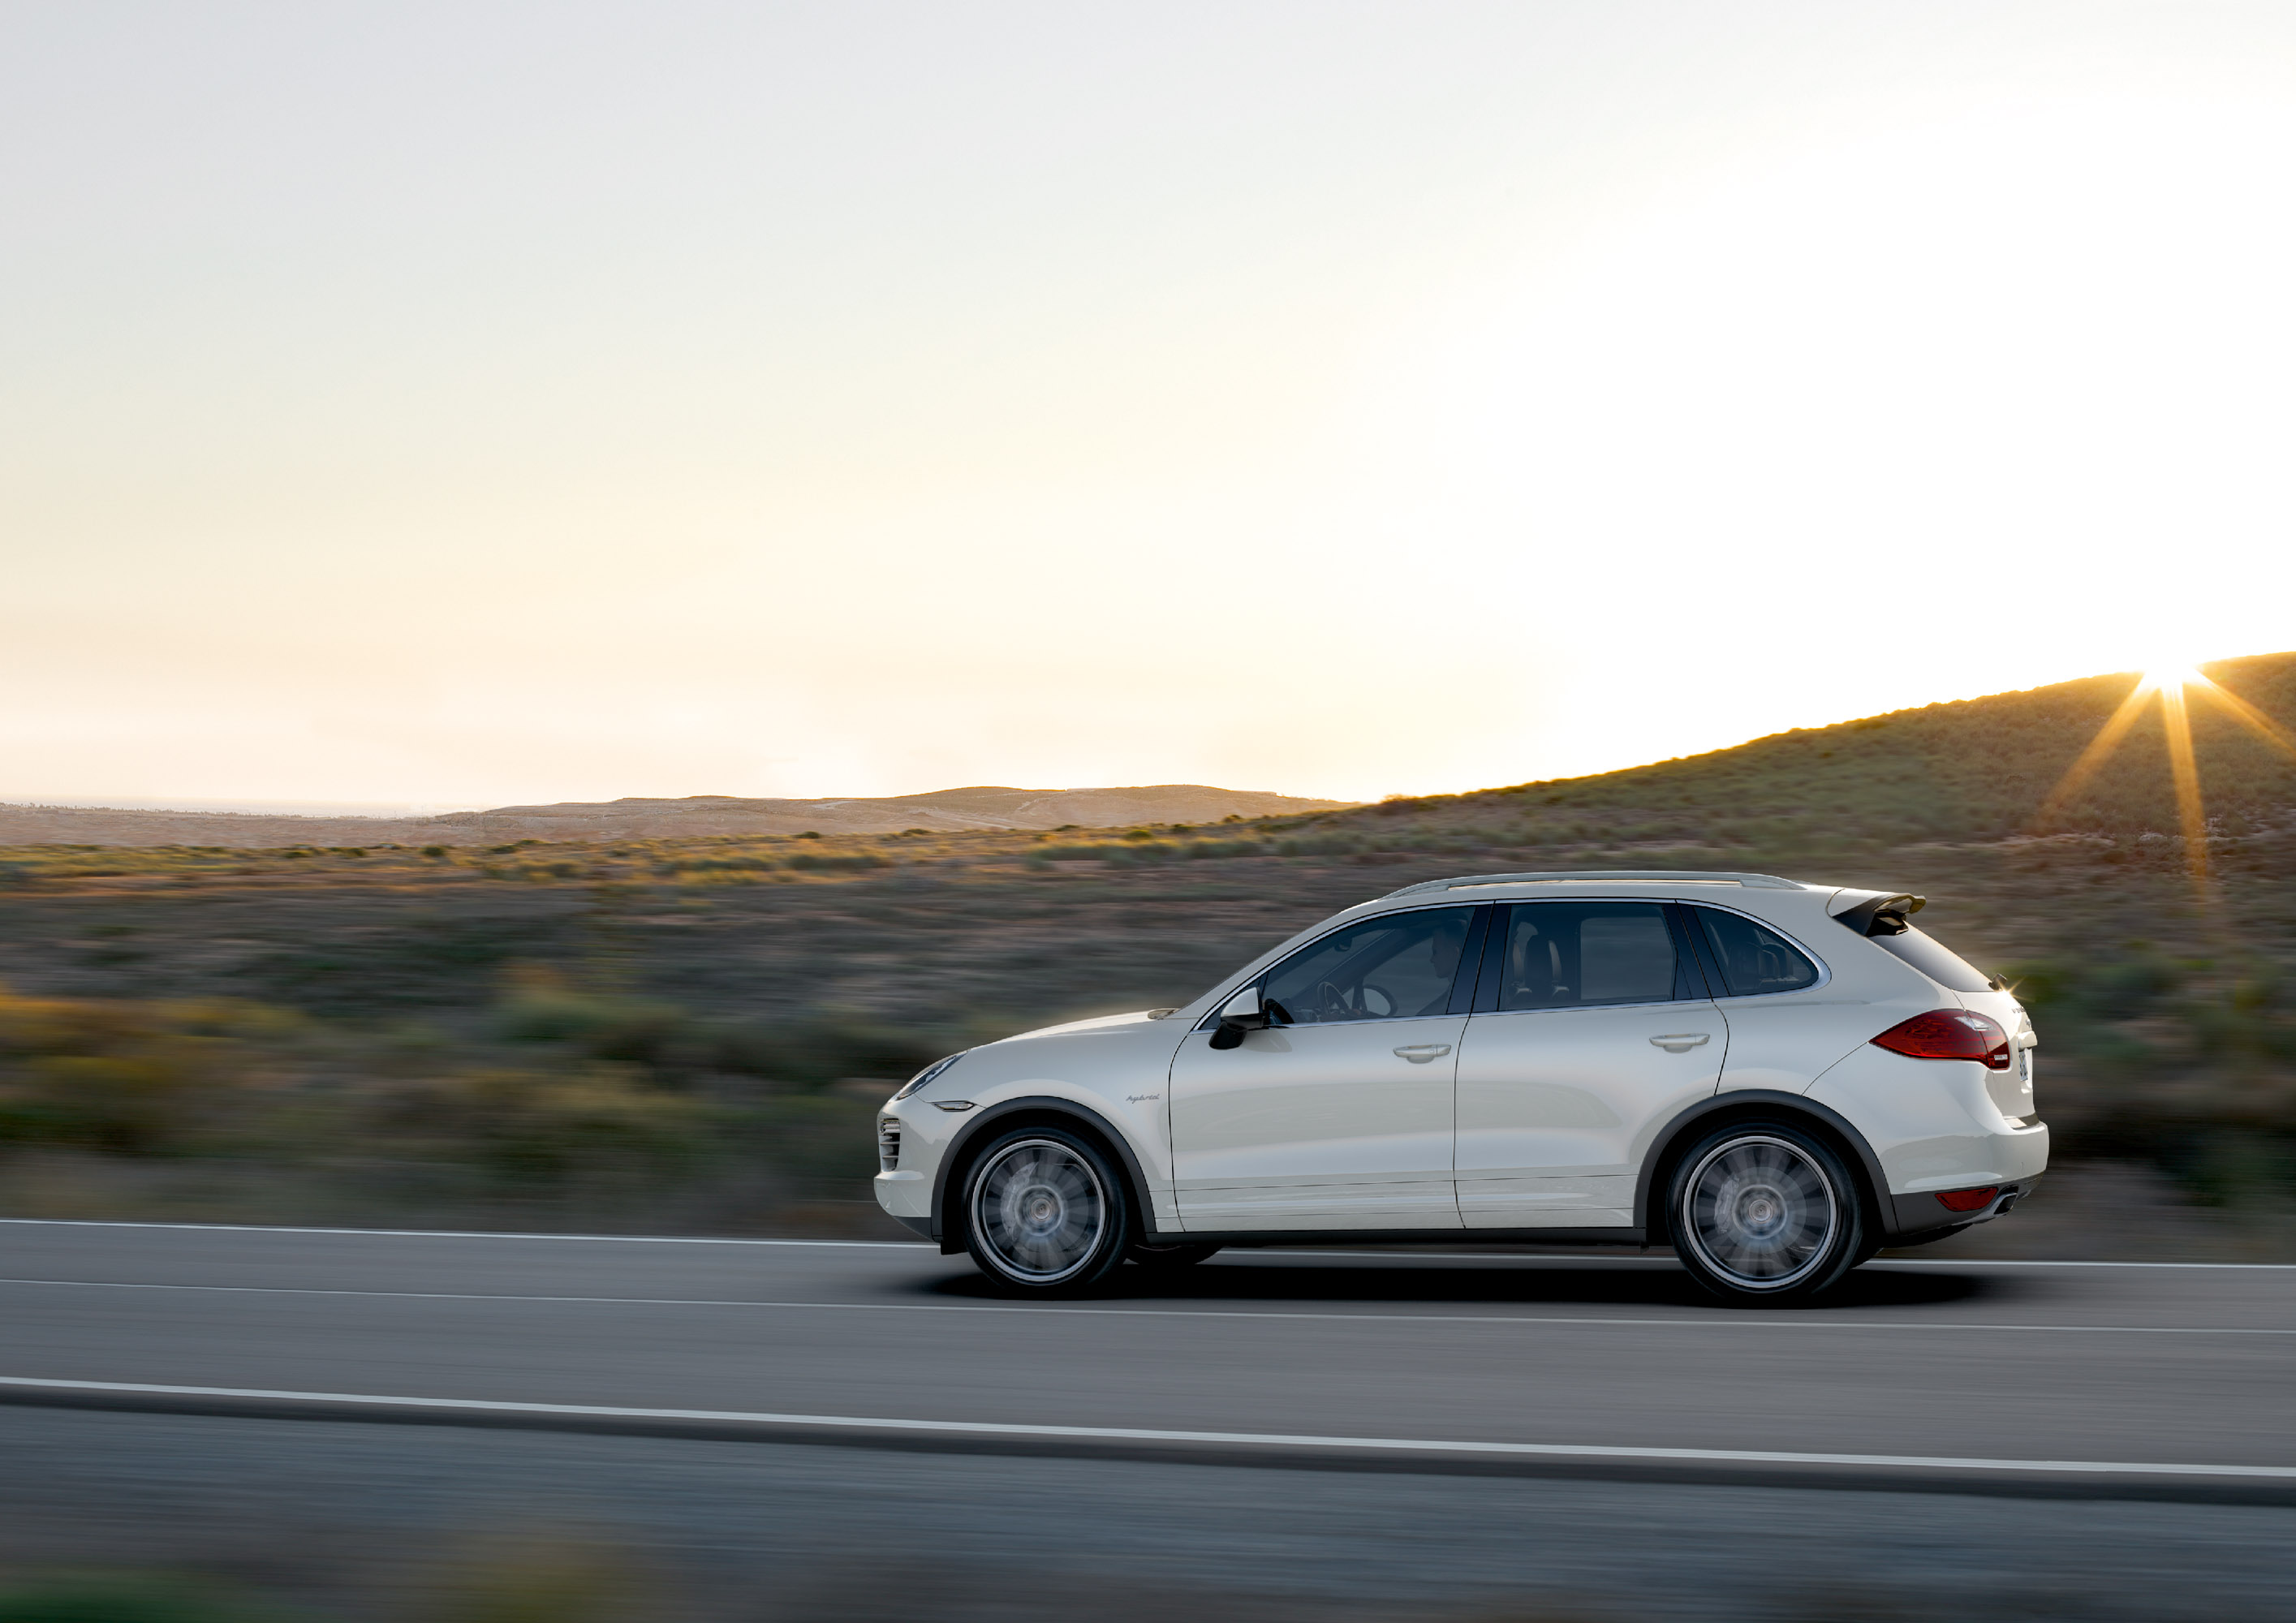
(1044, 1213)
(1765, 1212)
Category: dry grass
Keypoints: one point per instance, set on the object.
(659, 1028)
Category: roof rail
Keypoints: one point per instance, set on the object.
(1752, 881)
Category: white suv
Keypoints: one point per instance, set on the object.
(1776, 1080)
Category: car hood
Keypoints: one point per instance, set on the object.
(1100, 1022)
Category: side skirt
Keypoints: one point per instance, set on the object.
(1445, 1239)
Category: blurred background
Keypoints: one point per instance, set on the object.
(518, 473)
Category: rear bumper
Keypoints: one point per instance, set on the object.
(1914, 1214)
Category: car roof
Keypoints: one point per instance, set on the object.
(1748, 891)
(1600, 879)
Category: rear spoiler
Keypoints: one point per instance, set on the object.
(1884, 916)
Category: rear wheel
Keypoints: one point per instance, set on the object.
(1044, 1213)
(1765, 1212)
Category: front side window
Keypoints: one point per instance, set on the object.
(1569, 954)
(1752, 959)
(1395, 967)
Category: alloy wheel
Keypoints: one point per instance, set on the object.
(1760, 1211)
(1040, 1211)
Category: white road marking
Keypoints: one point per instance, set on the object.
(451, 1233)
(1235, 1253)
(1724, 1318)
(1264, 1439)
(1243, 1253)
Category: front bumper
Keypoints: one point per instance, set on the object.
(905, 1195)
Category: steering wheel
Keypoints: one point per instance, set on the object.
(1331, 1002)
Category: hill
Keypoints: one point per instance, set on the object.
(652, 1030)
(694, 816)
(1977, 770)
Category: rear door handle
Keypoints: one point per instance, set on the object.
(1419, 1053)
(1677, 1041)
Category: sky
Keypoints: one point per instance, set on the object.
(485, 403)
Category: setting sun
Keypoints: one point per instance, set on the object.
(2169, 679)
(2172, 671)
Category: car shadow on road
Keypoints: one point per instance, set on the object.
(1238, 1279)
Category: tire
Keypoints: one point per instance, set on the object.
(1171, 1259)
(1761, 1212)
(1045, 1213)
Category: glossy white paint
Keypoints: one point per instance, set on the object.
(1317, 1125)
(905, 1194)
(1331, 1140)
(1933, 1123)
(1555, 1105)
(2012, 1089)
(1783, 1040)
(1115, 1067)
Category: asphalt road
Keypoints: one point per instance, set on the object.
(1443, 1426)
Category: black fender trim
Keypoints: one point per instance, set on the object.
(1738, 1099)
(1042, 1103)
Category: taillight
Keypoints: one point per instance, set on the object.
(1968, 1199)
(1949, 1034)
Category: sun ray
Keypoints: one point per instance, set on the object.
(2190, 814)
(2108, 737)
(2254, 719)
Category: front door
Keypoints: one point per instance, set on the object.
(1339, 1115)
(1592, 1028)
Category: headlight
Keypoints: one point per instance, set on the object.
(928, 1074)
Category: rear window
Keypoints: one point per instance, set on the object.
(1753, 960)
(1935, 959)
(1569, 954)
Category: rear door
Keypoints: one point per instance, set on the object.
(1340, 1116)
(1591, 1027)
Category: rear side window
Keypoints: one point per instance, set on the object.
(1569, 954)
(1935, 959)
(1752, 959)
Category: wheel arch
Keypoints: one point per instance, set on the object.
(1748, 1104)
(1035, 1110)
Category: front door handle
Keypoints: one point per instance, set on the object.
(1679, 1042)
(1419, 1053)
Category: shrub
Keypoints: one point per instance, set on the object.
(128, 1078)
(607, 1027)
(105, 1102)
(542, 1129)
(842, 861)
(120, 1600)
(819, 1050)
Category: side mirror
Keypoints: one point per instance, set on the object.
(1240, 1013)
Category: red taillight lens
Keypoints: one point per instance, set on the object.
(1968, 1199)
(1949, 1034)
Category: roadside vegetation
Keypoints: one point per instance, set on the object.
(693, 1033)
